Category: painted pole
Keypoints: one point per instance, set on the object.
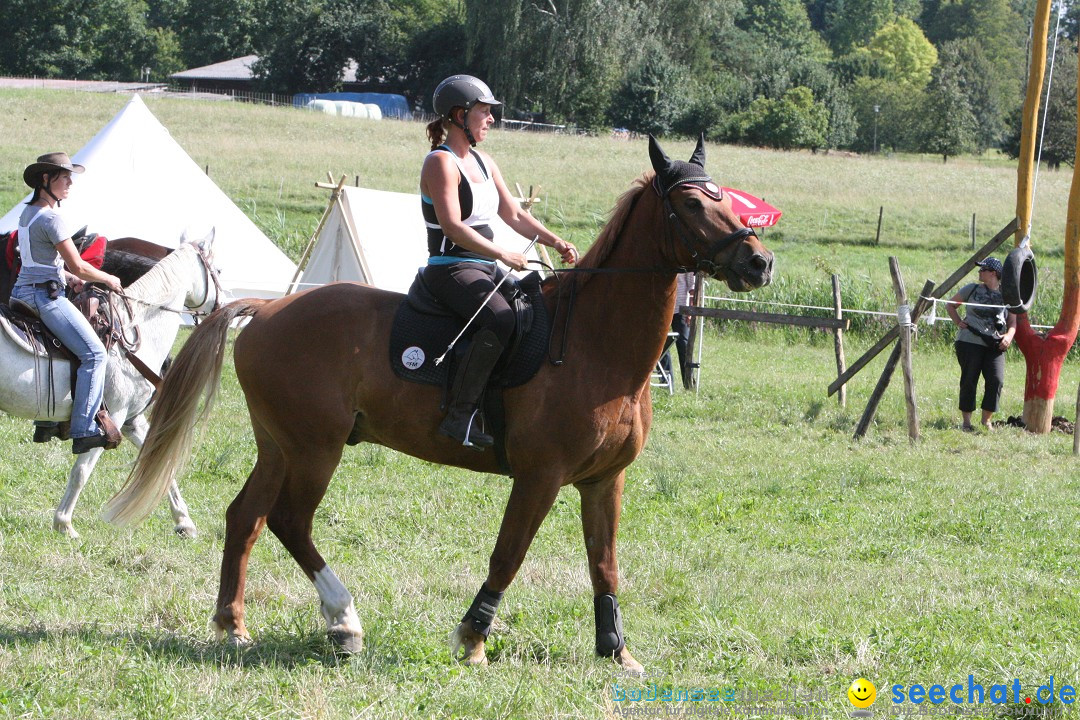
(1044, 356)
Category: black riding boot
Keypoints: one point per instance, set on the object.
(469, 383)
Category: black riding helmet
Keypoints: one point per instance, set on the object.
(462, 91)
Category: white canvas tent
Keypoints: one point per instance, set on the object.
(140, 183)
(379, 238)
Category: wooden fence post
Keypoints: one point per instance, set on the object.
(972, 231)
(938, 292)
(890, 365)
(880, 213)
(904, 321)
(838, 340)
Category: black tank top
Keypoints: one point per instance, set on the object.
(438, 243)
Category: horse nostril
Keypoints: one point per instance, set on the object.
(760, 263)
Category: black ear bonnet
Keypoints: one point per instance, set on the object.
(672, 173)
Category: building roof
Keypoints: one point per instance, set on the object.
(235, 69)
(240, 69)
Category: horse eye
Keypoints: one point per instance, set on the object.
(693, 203)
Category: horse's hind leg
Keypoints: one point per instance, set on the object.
(80, 473)
(244, 520)
(290, 520)
(529, 503)
(601, 504)
(135, 430)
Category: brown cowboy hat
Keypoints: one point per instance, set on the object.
(49, 162)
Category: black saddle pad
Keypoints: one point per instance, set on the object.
(416, 339)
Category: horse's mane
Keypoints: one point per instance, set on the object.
(161, 285)
(605, 242)
(127, 266)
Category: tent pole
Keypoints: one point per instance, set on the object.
(311, 243)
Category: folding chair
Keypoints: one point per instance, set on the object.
(660, 376)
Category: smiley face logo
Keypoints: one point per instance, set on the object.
(862, 693)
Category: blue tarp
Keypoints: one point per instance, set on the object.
(392, 105)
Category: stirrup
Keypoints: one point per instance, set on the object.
(483, 439)
(451, 426)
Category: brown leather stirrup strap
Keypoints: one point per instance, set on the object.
(142, 367)
(105, 422)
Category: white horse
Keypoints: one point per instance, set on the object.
(183, 280)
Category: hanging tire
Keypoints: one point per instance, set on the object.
(1019, 280)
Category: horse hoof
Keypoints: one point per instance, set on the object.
(346, 643)
(238, 641)
(627, 662)
(231, 638)
(185, 529)
(65, 528)
(467, 646)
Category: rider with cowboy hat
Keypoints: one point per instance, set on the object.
(45, 247)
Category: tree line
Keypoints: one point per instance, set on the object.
(941, 76)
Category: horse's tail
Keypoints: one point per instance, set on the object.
(195, 372)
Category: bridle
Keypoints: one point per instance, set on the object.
(210, 275)
(677, 226)
(703, 184)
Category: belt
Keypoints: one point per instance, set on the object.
(47, 285)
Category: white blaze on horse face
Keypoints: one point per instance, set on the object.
(337, 603)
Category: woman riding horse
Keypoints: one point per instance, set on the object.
(46, 247)
(462, 191)
(315, 373)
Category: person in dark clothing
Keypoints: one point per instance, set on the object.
(680, 324)
(985, 333)
(462, 191)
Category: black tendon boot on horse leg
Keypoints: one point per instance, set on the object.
(469, 384)
(481, 616)
(609, 632)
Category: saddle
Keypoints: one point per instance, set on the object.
(424, 328)
(22, 324)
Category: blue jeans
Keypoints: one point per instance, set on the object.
(72, 329)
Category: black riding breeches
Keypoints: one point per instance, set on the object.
(463, 286)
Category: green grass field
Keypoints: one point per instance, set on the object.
(762, 549)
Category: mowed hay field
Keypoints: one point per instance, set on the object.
(763, 553)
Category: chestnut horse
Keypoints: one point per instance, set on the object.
(314, 369)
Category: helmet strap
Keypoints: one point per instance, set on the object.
(45, 187)
(464, 126)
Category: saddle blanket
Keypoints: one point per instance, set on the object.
(416, 339)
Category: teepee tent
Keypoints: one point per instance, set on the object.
(379, 238)
(140, 183)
